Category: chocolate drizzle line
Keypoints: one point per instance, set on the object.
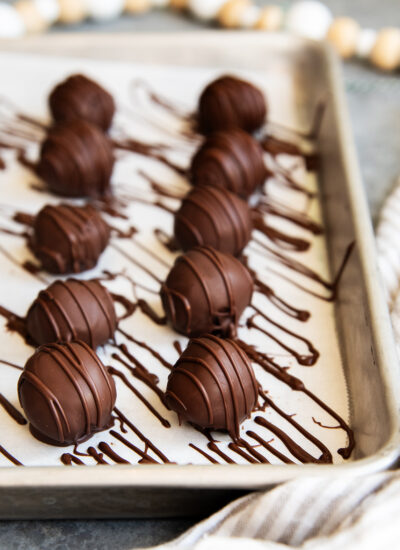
(98, 457)
(10, 364)
(296, 384)
(115, 372)
(9, 456)
(145, 346)
(206, 455)
(106, 449)
(139, 371)
(15, 323)
(133, 447)
(268, 447)
(273, 208)
(153, 151)
(280, 303)
(68, 459)
(140, 435)
(12, 411)
(305, 360)
(284, 241)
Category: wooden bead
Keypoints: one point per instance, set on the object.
(179, 4)
(271, 19)
(137, 6)
(71, 11)
(343, 35)
(231, 13)
(31, 16)
(385, 53)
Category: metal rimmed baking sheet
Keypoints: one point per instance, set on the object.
(361, 316)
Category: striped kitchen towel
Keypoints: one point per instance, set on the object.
(361, 513)
(311, 514)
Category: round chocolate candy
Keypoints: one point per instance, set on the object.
(80, 98)
(76, 160)
(230, 102)
(233, 160)
(206, 291)
(215, 217)
(212, 385)
(66, 393)
(69, 239)
(72, 310)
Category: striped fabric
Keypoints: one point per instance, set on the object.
(311, 514)
(315, 513)
(387, 241)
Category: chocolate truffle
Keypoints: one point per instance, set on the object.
(233, 160)
(206, 291)
(230, 102)
(80, 98)
(212, 385)
(215, 217)
(72, 310)
(66, 393)
(76, 160)
(69, 238)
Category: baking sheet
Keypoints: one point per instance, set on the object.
(19, 288)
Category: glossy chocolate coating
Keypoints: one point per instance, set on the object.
(72, 310)
(66, 393)
(206, 291)
(230, 102)
(76, 160)
(69, 239)
(233, 160)
(213, 385)
(215, 217)
(80, 98)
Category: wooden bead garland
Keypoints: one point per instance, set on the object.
(271, 19)
(137, 6)
(308, 18)
(343, 35)
(71, 11)
(31, 16)
(385, 53)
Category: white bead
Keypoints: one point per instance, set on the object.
(11, 24)
(309, 18)
(250, 17)
(366, 40)
(48, 9)
(205, 9)
(159, 3)
(101, 10)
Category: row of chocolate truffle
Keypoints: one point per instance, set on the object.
(224, 285)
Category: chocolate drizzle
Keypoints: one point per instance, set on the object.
(28, 132)
(12, 411)
(10, 457)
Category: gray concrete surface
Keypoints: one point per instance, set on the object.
(374, 102)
